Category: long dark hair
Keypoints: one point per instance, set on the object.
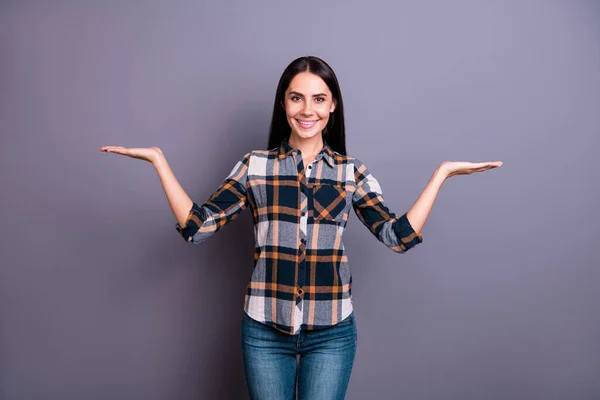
(334, 133)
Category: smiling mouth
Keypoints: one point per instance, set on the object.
(307, 124)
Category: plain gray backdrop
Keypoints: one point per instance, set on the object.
(100, 298)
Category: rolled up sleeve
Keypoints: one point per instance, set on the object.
(223, 206)
(369, 205)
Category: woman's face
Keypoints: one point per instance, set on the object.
(307, 104)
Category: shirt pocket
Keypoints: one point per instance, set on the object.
(329, 202)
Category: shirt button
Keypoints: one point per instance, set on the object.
(300, 291)
(303, 214)
(310, 167)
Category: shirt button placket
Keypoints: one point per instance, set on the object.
(303, 236)
(302, 247)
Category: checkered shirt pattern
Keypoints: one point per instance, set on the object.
(301, 277)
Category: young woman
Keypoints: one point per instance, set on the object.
(301, 191)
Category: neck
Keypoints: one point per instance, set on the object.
(308, 147)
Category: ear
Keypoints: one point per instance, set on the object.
(333, 105)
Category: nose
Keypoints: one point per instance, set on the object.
(307, 109)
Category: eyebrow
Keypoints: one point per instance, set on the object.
(314, 95)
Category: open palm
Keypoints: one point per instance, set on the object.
(452, 168)
(149, 154)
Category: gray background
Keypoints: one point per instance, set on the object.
(101, 299)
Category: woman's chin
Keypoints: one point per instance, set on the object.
(304, 135)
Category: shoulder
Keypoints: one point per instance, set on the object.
(348, 160)
(253, 154)
(257, 161)
(358, 169)
(271, 153)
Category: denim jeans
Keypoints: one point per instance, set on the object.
(323, 370)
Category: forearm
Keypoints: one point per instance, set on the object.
(419, 212)
(180, 202)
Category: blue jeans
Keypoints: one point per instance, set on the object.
(322, 373)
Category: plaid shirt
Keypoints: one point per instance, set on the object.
(301, 278)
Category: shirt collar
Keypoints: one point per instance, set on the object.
(285, 150)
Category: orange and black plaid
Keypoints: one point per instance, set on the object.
(301, 277)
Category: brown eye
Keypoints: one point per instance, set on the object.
(320, 99)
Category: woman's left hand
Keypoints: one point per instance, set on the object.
(451, 168)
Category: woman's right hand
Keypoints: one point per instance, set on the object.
(150, 154)
(180, 202)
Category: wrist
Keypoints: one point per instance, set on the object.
(159, 160)
(440, 173)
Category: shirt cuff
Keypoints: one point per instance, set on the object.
(193, 223)
(406, 234)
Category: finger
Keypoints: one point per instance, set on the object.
(118, 150)
(493, 163)
(486, 168)
(482, 165)
(107, 148)
(487, 164)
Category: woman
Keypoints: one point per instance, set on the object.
(298, 301)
